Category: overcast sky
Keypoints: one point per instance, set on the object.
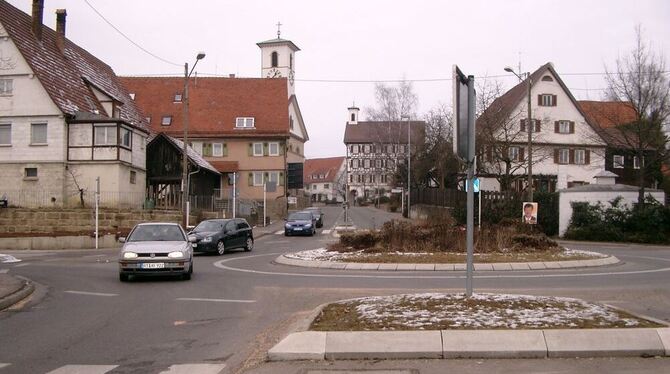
(358, 40)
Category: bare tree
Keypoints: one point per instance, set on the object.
(80, 190)
(640, 80)
(501, 136)
(393, 102)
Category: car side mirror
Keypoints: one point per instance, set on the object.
(192, 238)
(122, 239)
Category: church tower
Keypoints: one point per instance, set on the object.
(278, 59)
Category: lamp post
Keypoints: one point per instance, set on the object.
(184, 174)
(529, 129)
(409, 161)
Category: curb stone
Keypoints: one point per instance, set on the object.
(13, 298)
(493, 266)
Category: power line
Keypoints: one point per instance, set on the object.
(128, 38)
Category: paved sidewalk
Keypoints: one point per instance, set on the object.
(13, 290)
(273, 227)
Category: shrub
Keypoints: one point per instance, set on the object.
(360, 239)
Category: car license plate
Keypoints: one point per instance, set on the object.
(298, 229)
(153, 265)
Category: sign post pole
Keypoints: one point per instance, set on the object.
(234, 194)
(265, 203)
(471, 190)
(97, 211)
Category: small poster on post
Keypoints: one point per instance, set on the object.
(529, 213)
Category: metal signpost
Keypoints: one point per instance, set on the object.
(97, 210)
(464, 147)
(234, 194)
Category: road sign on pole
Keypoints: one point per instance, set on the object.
(464, 147)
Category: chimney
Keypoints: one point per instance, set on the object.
(60, 29)
(38, 12)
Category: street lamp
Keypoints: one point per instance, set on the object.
(184, 174)
(529, 129)
(409, 161)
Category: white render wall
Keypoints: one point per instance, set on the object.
(567, 197)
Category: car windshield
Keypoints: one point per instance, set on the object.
(160, 233)
(206, 226)
(300, 216)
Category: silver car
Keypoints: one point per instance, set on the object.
(156, 249)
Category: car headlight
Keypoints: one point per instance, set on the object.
(129, 255)
(308, 225)
(207, 239)
(176, 254)
(288, 226)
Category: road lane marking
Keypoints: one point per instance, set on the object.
(92, 293)
(4, 271)
(3, 365)
(84, 369)
(220, 264)
(325, 232)
(215, 300)
(194, 368)
(278, 241)
(8, 259)
(22, 265)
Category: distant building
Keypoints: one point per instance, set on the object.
(247, 128)
(375, 149)
(65, 119)
(325, 178)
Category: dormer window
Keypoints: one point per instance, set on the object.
(244, 122)
(275, 59)
(132, 96)
(166, 121)
(177, 97)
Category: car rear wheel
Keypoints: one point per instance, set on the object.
(250, 244)
(123, 277)
(220, 248)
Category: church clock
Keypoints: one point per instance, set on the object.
(274, 73)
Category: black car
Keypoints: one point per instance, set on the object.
(318, 214)
(302, 223)
(220, 235)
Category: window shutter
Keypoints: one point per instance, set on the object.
(554, 100)
(266, 150)
(572, 127)
(225, 149)
(281, 147)
(556, 156)
(251, 149)
(521, 154)
(266, 177)
(556, 127)
(571, 156)
(587, 157)
(523, 125)
(251, 179)
(538, 125)
(539, 100)
(281, 178)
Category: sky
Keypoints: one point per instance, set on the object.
(347, 45)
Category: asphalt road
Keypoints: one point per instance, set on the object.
(238, 305)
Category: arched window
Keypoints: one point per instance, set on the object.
(275, 58)
(547, 78)
(290, 64)
(353, 117)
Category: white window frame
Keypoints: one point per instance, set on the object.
(258, 178)
(6, 87)
(355, 149)
(273, 176)
(563, 127)
(314, 186)
(366, 148)
(178, 97)
(636, 162)
(276, 151)
(580, 157)
(366, 163)
(618, 161)
(547, 100)
(126, 138)
(257, 154)
(245, 122)
(513, 153)
(217, 149)
(32, 133)
(6, 127)
(561, 153)
(166, 120)
(104, 135)
(197, 147)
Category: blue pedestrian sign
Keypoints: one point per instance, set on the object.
(475, 182)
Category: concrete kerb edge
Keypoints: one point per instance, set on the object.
(570, 264)
(14, 298)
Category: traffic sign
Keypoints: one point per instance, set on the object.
(475, 183)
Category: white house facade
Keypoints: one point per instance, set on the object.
(64, 119)
(325, 179)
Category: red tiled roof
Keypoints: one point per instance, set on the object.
(609, 113)
(226, 166)
(384, 132)
(328, 167)
(214, 104)
(65, 75)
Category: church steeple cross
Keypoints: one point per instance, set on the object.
(279, 30)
